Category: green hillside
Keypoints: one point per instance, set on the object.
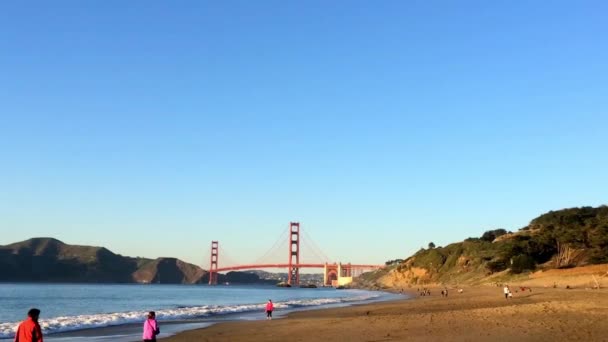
(50, 260)
(558, 239)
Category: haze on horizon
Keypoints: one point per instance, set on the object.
(152, 129)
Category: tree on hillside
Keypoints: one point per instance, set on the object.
(491, 235)
(392, 262)
(521, 263)
(431, 245)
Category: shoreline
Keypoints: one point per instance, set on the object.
(129, 331)
(479, 313)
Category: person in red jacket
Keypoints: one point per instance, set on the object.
(29, 330)
(269, 308)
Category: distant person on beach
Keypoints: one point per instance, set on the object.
(151, 328)
(29, 330)
(269, 309)
(507, 291)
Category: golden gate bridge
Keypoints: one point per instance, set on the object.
(334, 274)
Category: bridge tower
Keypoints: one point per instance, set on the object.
(214, 260)
(293, 273)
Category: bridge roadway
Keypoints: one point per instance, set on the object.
(252, 267)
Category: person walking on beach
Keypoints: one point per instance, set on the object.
(269, 309)
(29, 330)
(507, 291)
(151, 328)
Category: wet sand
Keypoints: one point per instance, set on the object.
(478, 314)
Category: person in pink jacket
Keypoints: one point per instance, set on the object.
(151, 328)
(269, 308)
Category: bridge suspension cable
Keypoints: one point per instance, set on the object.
(278, 244)
(225, 259)
(315, 248)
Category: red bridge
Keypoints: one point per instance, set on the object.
(333, 272)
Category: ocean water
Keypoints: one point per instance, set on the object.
(91, 309)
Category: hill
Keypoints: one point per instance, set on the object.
(557, 240)
(50, 260)
(305, 278)
(168, 270)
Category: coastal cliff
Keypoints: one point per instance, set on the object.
(568, 246)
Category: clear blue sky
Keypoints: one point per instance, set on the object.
(152, 127)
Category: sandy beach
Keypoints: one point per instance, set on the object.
(477, 314)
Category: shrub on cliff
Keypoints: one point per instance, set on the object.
(496, 266)
(491, 235)
(521, 263)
